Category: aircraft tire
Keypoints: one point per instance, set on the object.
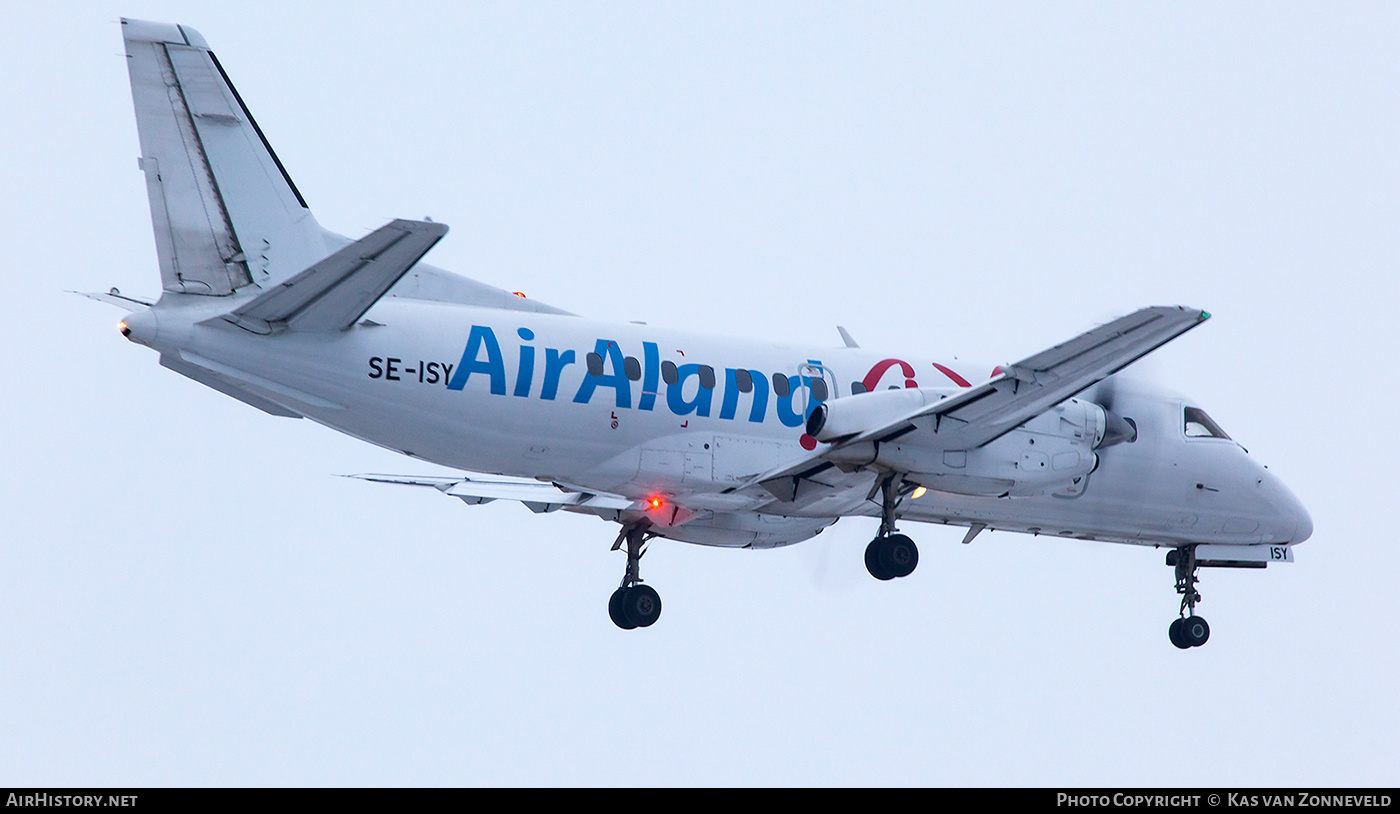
(1176, 634)
(1194, 631)
(641, 605)
(872, 560)
(615, 610)
(898, 555)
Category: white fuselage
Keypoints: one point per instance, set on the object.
(681, 414)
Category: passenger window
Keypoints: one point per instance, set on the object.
(1199, 425)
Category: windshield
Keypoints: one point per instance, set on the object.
(1199, 425)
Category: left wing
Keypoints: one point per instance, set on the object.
(980, 415)
(538, 497)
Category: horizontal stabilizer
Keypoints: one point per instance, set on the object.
(115, 297)
(335, 292)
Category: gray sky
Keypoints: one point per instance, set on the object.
(191, 596)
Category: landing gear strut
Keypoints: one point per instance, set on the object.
(890, 554)
(1188, 630)
(634, 604)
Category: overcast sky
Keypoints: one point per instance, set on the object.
(190, 596)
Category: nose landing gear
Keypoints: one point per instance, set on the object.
(634, 604)
(1187, 631)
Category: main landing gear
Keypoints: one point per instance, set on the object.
(1187, 631)
(634, 604)
(890, 555)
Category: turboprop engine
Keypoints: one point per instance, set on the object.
(1052, 453)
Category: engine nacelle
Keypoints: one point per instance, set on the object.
(833, 420)
(1051, 453)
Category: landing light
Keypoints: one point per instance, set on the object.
(917, 493)
(121, 326)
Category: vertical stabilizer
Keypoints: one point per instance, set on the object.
(224, 210)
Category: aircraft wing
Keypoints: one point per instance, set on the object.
(538, 497)
(980, 415)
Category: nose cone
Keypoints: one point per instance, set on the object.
(1295, 524)
(1304, 529)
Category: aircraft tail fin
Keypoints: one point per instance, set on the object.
(225, 212)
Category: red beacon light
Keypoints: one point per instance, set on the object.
(655, 502)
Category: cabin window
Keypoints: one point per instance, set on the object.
(633, 368)
(1199, 425)
(595, 364)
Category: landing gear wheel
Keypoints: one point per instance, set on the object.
(616, 612)
(1175, 634)
(898, 555)
(891, 557)
(641, 606)
(634, 605)
(872, 560)
(1195, 631)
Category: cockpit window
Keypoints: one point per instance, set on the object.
(1200, 425)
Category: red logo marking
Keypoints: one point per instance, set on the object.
(958, 380)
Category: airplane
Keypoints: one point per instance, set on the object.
(666, 434)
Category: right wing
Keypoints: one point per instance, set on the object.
(978, 416)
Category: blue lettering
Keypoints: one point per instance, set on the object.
(554, 364)
(757, 384)
(675, 396)
(525, 373)
(617, 379)
(786, 414)
(491, 365)
(651, 369)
